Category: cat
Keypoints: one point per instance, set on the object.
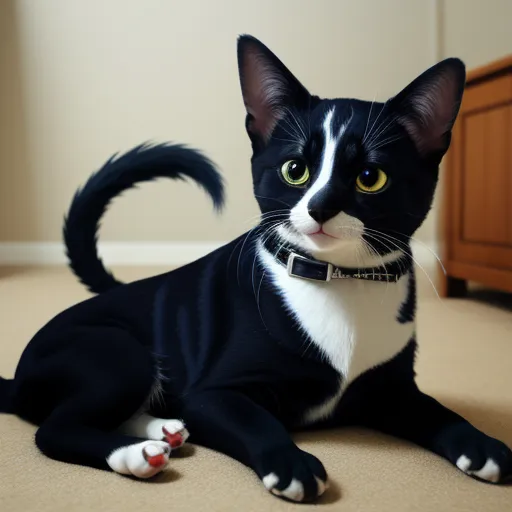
(306, 321)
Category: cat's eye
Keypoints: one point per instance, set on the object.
(371, 181)
(295, 172)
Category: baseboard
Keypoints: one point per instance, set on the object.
(113, 253)
(148, 253)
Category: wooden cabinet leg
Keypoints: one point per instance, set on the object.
(455, 287)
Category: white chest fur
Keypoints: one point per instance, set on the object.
(353, 322)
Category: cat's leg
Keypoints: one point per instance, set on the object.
(230, 422)
(96, 379)
(412, 415)
(171, 430)
(72, 442)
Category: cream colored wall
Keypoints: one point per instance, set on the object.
(100, 76)
(17, 205)
(477, 31)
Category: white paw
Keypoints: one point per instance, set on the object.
(270, 481)
(142, 460)
(149, 427)
(175, 427)
(294, 491)
(489, 472)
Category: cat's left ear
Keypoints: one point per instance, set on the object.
(268, 87)
(428, 106)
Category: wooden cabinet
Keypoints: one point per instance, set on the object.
(478, 186)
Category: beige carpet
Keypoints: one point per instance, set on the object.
(465, 360)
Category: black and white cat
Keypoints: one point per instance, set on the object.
(306, 321)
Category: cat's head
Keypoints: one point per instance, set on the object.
(345, 180)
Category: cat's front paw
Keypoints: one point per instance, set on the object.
(476, 454)
(293, 474)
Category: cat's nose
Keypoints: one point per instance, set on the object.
(321, 215)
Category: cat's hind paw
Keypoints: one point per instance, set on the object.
(175, 433)
(142, 460)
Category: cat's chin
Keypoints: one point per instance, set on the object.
(342, 253)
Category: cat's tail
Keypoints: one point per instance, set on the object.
(120, 173)
(6, 389)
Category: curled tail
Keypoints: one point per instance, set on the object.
(120, 173)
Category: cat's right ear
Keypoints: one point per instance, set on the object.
(268, 87)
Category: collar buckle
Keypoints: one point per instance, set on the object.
(312, 270)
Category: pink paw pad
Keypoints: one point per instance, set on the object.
(153, 458)
(175, 440)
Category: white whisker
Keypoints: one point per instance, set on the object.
(299, 125)
(416, 240)
(369, 116)
(371, 129)
(386, 142)
(383, 235)
(381, 129)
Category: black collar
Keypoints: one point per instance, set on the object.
(306, 267)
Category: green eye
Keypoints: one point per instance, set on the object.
(295, 173)
(371, 180)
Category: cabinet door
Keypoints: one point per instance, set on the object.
(481, 213)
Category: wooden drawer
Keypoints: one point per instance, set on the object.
(487, 94)
(478, 201)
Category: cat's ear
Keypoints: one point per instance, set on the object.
(268, 87)
(428, 106)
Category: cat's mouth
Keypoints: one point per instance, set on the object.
(318, 239)
(320, 233)
(316, 233)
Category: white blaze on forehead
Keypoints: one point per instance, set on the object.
(331, 142)
(328, 157)
(329, 154)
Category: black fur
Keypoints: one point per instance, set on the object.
(5, 395)
(233, 360)
(408, 309)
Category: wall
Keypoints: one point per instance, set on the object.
(17, 205)
(83, 79)
(477, 31)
